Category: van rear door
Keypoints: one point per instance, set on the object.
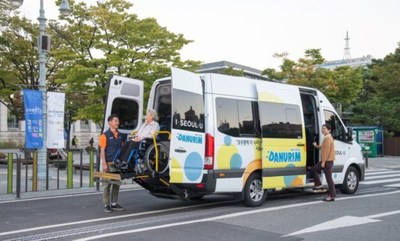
(188, 131)
(125, 98)
(283, 136)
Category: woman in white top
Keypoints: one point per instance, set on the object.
(148, 128)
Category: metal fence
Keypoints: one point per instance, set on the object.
(20, 174)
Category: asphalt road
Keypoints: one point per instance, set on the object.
(373, 213)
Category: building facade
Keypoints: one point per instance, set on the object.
(352, 62)
(218, 67)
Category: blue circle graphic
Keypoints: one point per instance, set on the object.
(227, 140)
(193, 166)
(289, 179)
(236, 161)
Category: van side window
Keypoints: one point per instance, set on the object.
(162, 105)
(227, 116)
(338, 131)
(127, 111)
(246, 118)
(188, 112)
(280, 120)
(236, 117)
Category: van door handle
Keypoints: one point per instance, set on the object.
(180, 150)
(300, 144)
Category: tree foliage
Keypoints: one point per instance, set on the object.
(90, 45)
(106, 39)
(379, 102)
(19, 58)
(341, 85)
(232, 71)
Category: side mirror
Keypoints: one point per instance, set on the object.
(349, 134)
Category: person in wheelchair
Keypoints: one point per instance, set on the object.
(146, 131)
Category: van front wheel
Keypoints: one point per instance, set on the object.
(351, 181)
(254, 194)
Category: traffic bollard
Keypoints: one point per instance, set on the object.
(18, 189)
(34, 171)
(9, 173)
(81, 168)
(98, 168)
(70, 170)
(91, 169)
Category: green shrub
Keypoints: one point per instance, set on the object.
(10, 145)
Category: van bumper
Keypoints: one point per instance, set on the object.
(206, 186)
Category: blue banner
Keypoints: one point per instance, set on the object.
(33, 103)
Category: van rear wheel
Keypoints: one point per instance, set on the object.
(254, 194)
(351, 181)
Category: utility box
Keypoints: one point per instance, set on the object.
(370, 139)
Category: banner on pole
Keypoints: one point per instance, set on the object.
(33, 105)
(55, 120)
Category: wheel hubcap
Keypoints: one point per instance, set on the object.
(256, 190)
(351, 180)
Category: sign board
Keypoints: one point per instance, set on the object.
(33, 106)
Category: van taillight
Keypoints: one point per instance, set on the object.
(209, 153)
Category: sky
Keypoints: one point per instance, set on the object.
(249, 32)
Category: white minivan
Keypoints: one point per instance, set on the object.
(235, 135)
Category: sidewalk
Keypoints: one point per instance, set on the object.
(26, 180)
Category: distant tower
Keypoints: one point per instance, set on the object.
(346, 55)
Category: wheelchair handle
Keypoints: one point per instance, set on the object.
(155, 143)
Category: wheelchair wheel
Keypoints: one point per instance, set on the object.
(163, 157)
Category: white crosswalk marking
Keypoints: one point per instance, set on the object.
(379, 177)
(380, 173)
(376, 169)
(396, 180)
(388, 177)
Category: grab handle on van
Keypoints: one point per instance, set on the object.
(300, 144)
(180, 150)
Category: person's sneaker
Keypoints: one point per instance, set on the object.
(107, 209)
(318, 188)
(117, 207)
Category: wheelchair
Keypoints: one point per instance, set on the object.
(143, 159)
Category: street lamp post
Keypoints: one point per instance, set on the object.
(42, 51)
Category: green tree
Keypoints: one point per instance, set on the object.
(341, 85)
(350, 82)
(88, 47)
(379, 102)
(19, 60)
(106, 39)
(232, 71)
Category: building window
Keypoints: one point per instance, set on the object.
(280, 121)
(85, 125)
(236, 118)
(12, 121)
